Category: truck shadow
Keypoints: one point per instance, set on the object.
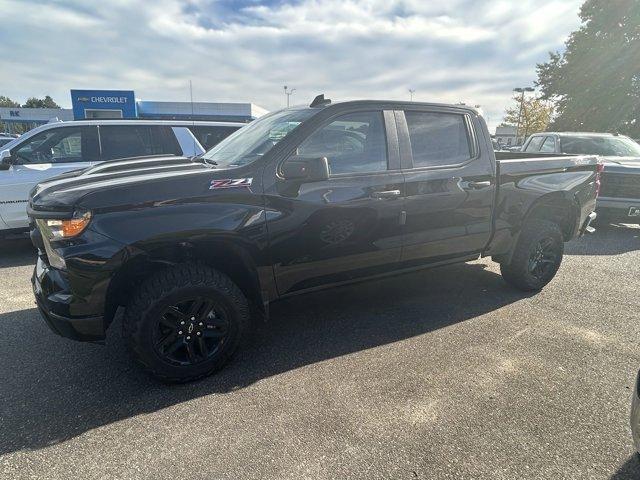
(612, 239)
(17, 252)
(55, 389)
(630, 470)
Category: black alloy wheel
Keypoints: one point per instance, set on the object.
(191, 331)
(543, 259)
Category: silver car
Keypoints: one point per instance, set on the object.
(635, 414)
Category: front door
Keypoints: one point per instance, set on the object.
(348, 226)
(449, 185)
(39, 158)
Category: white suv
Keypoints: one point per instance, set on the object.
(59, 147)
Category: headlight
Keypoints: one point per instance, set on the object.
(61, 229)
(67, 228)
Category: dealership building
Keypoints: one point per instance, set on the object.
(122, 104)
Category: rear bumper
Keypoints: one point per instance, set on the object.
(54, 300)
(635, 414)
(618, 208)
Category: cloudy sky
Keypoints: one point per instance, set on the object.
(246, 50)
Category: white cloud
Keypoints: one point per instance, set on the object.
(461, 50)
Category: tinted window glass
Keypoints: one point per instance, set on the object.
(121, 141)
(211, 136)
(353, 143)
(438, 138)
(549, 145)
(534, 144)
(60, 145)
(605, 146)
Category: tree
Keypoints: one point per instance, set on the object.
(536, 115)
(7, 102)
(46, 102)
(595, 83)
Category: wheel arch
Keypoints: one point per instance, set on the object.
(560, 207)
(226, 255)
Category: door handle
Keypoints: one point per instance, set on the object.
(386, 194)
(475, 185)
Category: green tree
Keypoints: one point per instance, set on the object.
(46, 102)
(7, 102)
(535, 117)
(595, 83)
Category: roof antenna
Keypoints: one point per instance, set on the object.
(320, 101)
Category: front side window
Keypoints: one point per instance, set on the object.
(438, 139)
(59, 145)
(534, 144)
(549, 145)
(122, 141)
(352, 143)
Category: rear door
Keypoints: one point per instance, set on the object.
(348, 226)
(45, 155)
(449, 185)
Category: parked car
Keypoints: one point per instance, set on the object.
(63, 146)
(619, 198)
(635, 414)
(4, 140)
(300, 199)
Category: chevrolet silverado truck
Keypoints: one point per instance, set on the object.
(301, 199)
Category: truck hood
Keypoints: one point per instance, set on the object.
(120, 182)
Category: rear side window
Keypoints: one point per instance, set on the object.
(534, 144)
(209, 137)
(352, 143)
(122, 141)
(438, 139)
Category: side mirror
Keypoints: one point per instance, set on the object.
(6, 160)
(306, 169)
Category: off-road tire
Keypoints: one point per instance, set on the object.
(157, 293)
(517, 272)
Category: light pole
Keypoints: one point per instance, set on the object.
(522, 91)
(411, 92)
(288, 93)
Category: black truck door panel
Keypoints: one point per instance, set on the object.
(348, 226)
(449, 186)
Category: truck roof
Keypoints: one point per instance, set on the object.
(578, 134)
(389, 103)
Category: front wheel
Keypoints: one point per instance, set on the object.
(537, 256)
(185, 323)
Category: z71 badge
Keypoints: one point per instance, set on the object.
(231, 183)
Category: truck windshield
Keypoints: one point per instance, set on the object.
(256, 139)
(605, 146)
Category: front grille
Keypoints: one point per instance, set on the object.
(618, 185)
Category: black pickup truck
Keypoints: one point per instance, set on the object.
(301, 199)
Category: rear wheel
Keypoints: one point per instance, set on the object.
(185, 323)
(537, 256)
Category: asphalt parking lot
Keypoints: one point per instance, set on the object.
(447, 373)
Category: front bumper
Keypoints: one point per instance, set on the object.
(54, 300)
(635, 414)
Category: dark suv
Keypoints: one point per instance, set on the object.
(301, 199)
